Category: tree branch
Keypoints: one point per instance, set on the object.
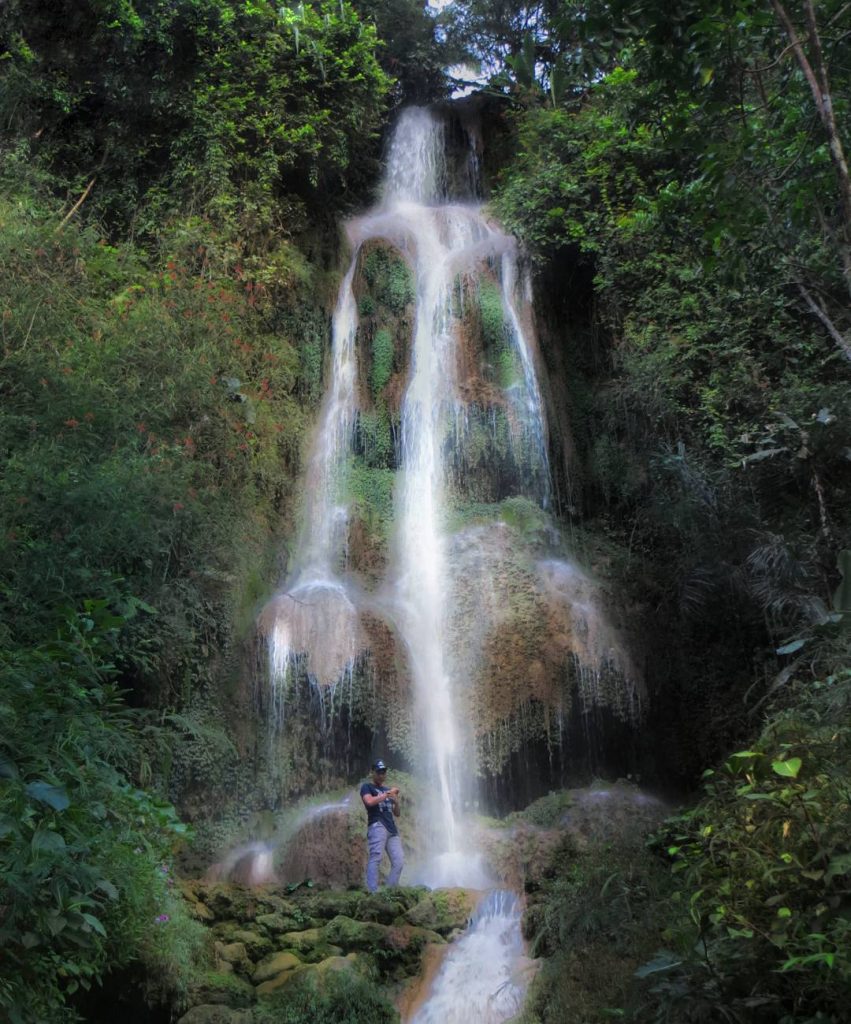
(74, 208)
(816, 77)
(821, 313)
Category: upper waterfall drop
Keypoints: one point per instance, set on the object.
(430, 597)
(416, 161)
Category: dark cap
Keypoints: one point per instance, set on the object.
(379, 766)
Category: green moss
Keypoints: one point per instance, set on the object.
(491, 315)
(376, 438)
(482, 448)
(524, 516)
(371, 493)
(471, 513)
(383, 352)
(389, 279)
(508, 370)
(520, 513)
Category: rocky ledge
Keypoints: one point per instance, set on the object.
(274, 939)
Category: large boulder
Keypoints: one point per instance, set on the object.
(272, 966)
(310, 975)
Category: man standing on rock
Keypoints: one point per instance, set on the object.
(382, 805)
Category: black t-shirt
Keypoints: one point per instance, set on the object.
(382, 812)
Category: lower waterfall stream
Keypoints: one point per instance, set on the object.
(480, 979)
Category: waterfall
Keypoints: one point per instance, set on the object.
(526, 395)
(466, 397)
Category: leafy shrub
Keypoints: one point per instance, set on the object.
(81, 848)
(343, 998)
(375, 438)
(593, 918)
(372, 498)
(389, 278)
(147, 408)
(245, 117)
(765, 872)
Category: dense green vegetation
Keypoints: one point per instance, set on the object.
(171, 177)
(85, 851)
(684, 169)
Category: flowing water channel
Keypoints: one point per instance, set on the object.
(436, 586)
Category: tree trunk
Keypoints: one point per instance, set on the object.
(815, 73)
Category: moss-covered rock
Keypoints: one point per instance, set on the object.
(235, 955)
(256, 945)
(272, 966)
(303, 941)
(220, 989)
(272, 903)
(276, 924)
(310, 976)
(443, 910)
(351, 934)
(395, 948)
(230, 901)
(383, 907)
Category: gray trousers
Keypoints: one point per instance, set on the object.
(378, 839)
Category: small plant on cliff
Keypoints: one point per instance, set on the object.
(389, 279)
(491, 315)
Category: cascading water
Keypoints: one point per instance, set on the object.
(315, 612)
(481, 979)
(464, 562)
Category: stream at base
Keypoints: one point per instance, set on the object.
(484, 974)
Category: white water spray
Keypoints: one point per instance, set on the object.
(483, 977)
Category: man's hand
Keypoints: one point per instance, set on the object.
(393, 792)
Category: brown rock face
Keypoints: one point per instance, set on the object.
(328, 851)
(539, 631)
